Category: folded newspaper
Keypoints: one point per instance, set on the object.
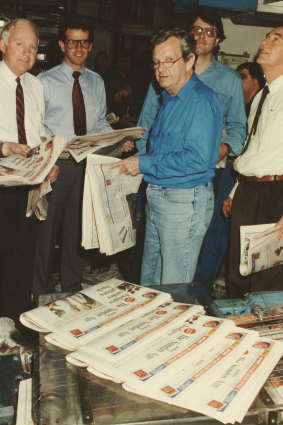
(106, 143)
(168, 351)
(109, 205)
(260, 249)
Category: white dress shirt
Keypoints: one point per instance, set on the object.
(264, 156)
(34, 107)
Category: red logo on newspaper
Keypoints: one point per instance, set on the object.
(76, 332)
(256, 256)
(169, 390)
(161, 312)
(216, 404)
(189, 331)
(129, 300)
(112, 348)
(141, 373)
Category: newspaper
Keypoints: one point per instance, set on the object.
(17, 170)
(259, 248)
(133, 335)
(108, 143)
(79, 317)
(109, 202)
(173, 346)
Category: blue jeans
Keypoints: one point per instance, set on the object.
(216, 239)
(176, 222)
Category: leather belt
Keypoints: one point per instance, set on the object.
(243, 178)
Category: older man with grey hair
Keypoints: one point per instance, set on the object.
(21, 125)
(179, 165)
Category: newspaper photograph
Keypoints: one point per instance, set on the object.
(259, 248)
(107, 143)
(113, 197)
(77, 318)
(16, 170)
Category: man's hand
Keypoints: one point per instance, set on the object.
(223, 151)
(53, 175)
(129, 166)
(10, 148)
(128, 146)
(279, 224)
(227, 207)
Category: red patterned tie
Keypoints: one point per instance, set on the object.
(79, 116)
(20, 112)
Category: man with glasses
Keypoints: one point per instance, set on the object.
(207, 29)
(61, 117)
(179, 165)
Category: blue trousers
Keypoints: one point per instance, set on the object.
(216, 239)
(176, 222)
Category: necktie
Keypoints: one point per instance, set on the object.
(20, 112)
(79, 116)
(264, 93)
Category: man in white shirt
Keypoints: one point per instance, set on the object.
(257, 196)
(18, 44)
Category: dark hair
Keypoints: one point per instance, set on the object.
(187, 41)
(75, 22)
(211, 16)
(255, 71)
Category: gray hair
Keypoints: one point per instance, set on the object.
(14, 23)
(187, 41)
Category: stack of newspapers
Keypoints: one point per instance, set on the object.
(158, 348)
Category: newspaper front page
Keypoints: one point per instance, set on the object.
(133, 335)
(109, 218)
(17, 170)
(259, 248)
(173, 346)
(79, 317)
(108, 143)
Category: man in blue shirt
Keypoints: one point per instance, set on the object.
(179, 165)
(64, 212)
(208, 32)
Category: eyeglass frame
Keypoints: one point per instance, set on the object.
(204, 30)
(165, 63)
(77, 43)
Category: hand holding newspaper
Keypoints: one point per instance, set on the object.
(260, 250)
(18, 170)
(108, 206)
(108, 143)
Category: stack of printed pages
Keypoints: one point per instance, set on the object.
(158, 348)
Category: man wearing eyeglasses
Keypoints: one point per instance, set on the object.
(179, 165)
(207, 29)
(75, 41)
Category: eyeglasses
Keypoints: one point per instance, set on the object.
(73, 44)
(168, 63)
(208, 32)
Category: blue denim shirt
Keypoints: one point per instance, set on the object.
(227, 85)
(58, 86)
(185, 138)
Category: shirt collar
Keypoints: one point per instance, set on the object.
(69, 71)
(183, 92)
(8, 75)
(276, 84)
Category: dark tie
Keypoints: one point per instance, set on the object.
(20, 112)
(79, 116)
(264, 93)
